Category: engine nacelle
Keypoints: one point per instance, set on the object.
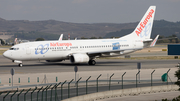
(79, 58)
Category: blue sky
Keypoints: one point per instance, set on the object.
(88, 11)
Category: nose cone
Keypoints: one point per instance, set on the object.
(7, 54)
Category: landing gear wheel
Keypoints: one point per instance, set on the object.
(92, 62)
(20, 65)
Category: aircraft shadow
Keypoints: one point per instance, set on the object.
(106, 63)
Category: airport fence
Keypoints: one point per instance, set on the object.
(72, 88)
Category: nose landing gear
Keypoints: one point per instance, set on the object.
(20, 65)
(20, 62)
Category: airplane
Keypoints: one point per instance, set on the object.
(85, 51)
(61, 37)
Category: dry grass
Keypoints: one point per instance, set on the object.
(2, 51)
(5, 46)
(142, 58)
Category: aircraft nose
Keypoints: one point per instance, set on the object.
(6, 54)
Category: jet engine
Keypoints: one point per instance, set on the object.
(79, 58)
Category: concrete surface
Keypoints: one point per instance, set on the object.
(62, 76)
(117, 94)
(147, 97)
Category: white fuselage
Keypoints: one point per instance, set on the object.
(60, 50)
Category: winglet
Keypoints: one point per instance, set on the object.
(154, 41)
(61, 37)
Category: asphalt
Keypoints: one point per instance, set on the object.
(66, 66)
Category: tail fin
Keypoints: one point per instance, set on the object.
(144, 28)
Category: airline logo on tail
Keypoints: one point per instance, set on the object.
(144, 23)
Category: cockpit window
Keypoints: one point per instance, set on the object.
(14, 49)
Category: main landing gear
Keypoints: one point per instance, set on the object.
(92, 62)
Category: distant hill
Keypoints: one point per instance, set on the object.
(161, 27)
(51, 29)
(58, 27)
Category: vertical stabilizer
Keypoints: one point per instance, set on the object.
(144, 28)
